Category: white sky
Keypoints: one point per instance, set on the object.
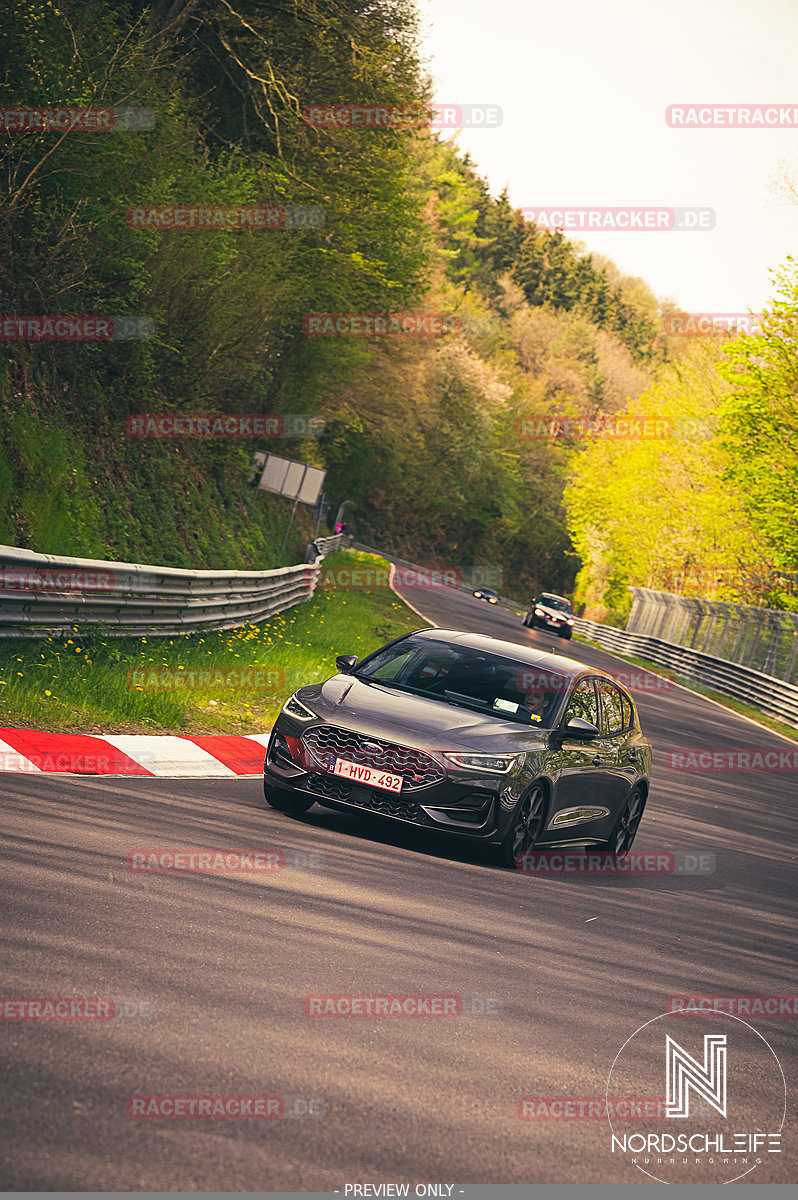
(584, 85)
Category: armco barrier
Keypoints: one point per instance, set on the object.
(42, 594)
(764, 639)
(763, 692)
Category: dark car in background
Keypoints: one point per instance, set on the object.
(488, 594)
(551, 612)
(470, 736)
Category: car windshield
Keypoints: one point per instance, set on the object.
(557, 602)
(467, 678)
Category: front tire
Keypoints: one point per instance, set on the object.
(528, 822)
(623, 835)
(565, 633)
(284, 800)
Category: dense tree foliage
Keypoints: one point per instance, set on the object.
(710, 509)
(760, 422)
(453, 449)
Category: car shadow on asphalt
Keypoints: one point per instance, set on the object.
(446, 848)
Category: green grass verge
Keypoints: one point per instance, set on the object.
(233, 682)
(738, 706)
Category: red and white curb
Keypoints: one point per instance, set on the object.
(132, 754)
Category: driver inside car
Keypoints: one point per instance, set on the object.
(538, 703)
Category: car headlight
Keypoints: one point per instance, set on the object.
(497, 764)
(493, 599)
(295, 708)
(539, 612)
(570, 622)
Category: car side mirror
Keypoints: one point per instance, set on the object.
(346, 663)
(579, 728)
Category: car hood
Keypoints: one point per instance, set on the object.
(409, 720)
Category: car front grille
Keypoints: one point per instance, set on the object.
(389, 805)
(385, 804)
(418, 770)
(328, 785)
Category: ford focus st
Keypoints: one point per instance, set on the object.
(470, 736)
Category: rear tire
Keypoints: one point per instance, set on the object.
(284, 800)
(623, 835)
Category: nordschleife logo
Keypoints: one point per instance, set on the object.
(725, 1100)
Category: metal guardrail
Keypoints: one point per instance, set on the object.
(762, 639)
(763, 692)
(44, 594)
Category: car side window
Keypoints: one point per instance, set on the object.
(612, 707)
(629, 715)
(583, 703)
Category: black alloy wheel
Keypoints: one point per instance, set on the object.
(623, 835)
(527, 826)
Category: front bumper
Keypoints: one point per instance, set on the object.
(476, 806)
(550, 623)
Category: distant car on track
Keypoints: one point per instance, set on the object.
(470, 736)
(488, 594)
(551, 612)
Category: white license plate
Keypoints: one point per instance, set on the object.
(367, 775)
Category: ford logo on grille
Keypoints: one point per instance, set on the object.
(370, 746)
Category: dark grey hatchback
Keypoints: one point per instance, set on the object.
(467, 735)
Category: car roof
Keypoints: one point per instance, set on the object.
(554, 596)
(554, 663)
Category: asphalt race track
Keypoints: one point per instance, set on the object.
(554, 973)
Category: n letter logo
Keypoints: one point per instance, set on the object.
(707, 1081)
